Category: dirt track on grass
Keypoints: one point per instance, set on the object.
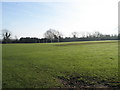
(86, 43)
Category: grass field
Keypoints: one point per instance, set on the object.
(68, 64)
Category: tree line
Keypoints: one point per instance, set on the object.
(53, 35)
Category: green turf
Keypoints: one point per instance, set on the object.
(49, 65)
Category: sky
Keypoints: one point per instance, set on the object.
(33, 19)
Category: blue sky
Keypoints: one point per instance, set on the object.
(32, 19)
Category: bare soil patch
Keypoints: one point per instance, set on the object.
(75, 82)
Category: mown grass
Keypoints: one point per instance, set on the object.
(70, 64)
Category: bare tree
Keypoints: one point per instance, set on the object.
(97, 34)
(6, 35)
(49, 34)
(57, 35)
(53, 35)
(74, 34)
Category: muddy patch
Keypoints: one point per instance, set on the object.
(79, 82)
